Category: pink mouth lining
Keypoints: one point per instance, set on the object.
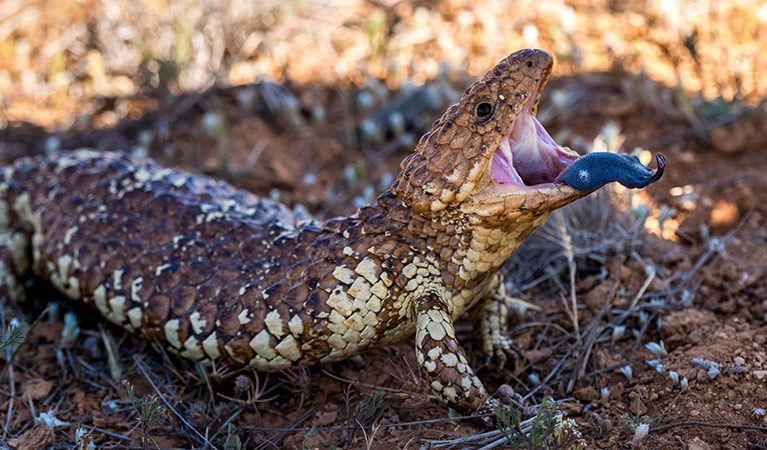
(527, 155)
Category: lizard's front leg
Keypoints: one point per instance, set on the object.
(441, 359)
(489, 318)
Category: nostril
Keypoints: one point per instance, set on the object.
(529, 63)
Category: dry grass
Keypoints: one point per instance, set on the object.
(57, 56)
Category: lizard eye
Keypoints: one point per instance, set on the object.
(483, 111)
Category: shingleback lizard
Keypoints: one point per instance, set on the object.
(215, 273)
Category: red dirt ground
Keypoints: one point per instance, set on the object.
(723, 181)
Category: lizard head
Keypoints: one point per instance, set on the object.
(488, 156)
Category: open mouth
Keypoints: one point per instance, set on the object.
(527, 156)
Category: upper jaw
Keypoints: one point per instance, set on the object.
(527, 157)
(523, 171)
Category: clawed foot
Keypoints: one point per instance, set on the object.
(490, 319)
(487, 414)
(501, 349)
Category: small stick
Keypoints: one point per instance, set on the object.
(567, 246)
(691, 423)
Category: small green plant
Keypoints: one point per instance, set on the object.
(618, 332)
(83, 439)
(627, 372)
(680, 383)
(305, 443)
(71, 330)
(232, 440)
(567, 435)
(547, 430)
(712, 368)
(656, 348)
(534, 378)
(640, 429)
(50, 420)
(656, 364)
(509, 420)
(543, 425)
(10, 337)
(640, 432)
(12, 340)
(150, 412)
(368, 406)
(53, 308)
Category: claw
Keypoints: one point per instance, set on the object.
(502, 351)
(485, 416)
(501, 359)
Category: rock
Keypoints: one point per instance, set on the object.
(699, 444)
(731, 138)
(596, 297)
(760, 375)
(588, 393)
(36, 388)
(679, 325)
(569, 408)
(38, 436)
(538, 355)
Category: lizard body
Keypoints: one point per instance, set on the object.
(215, 273)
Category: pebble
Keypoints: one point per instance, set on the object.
(760, 374)
(739, 361)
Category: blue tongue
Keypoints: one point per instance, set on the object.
(596, 169)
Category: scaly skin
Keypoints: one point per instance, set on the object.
(214, 273)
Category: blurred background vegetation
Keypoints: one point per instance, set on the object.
(57, 56)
